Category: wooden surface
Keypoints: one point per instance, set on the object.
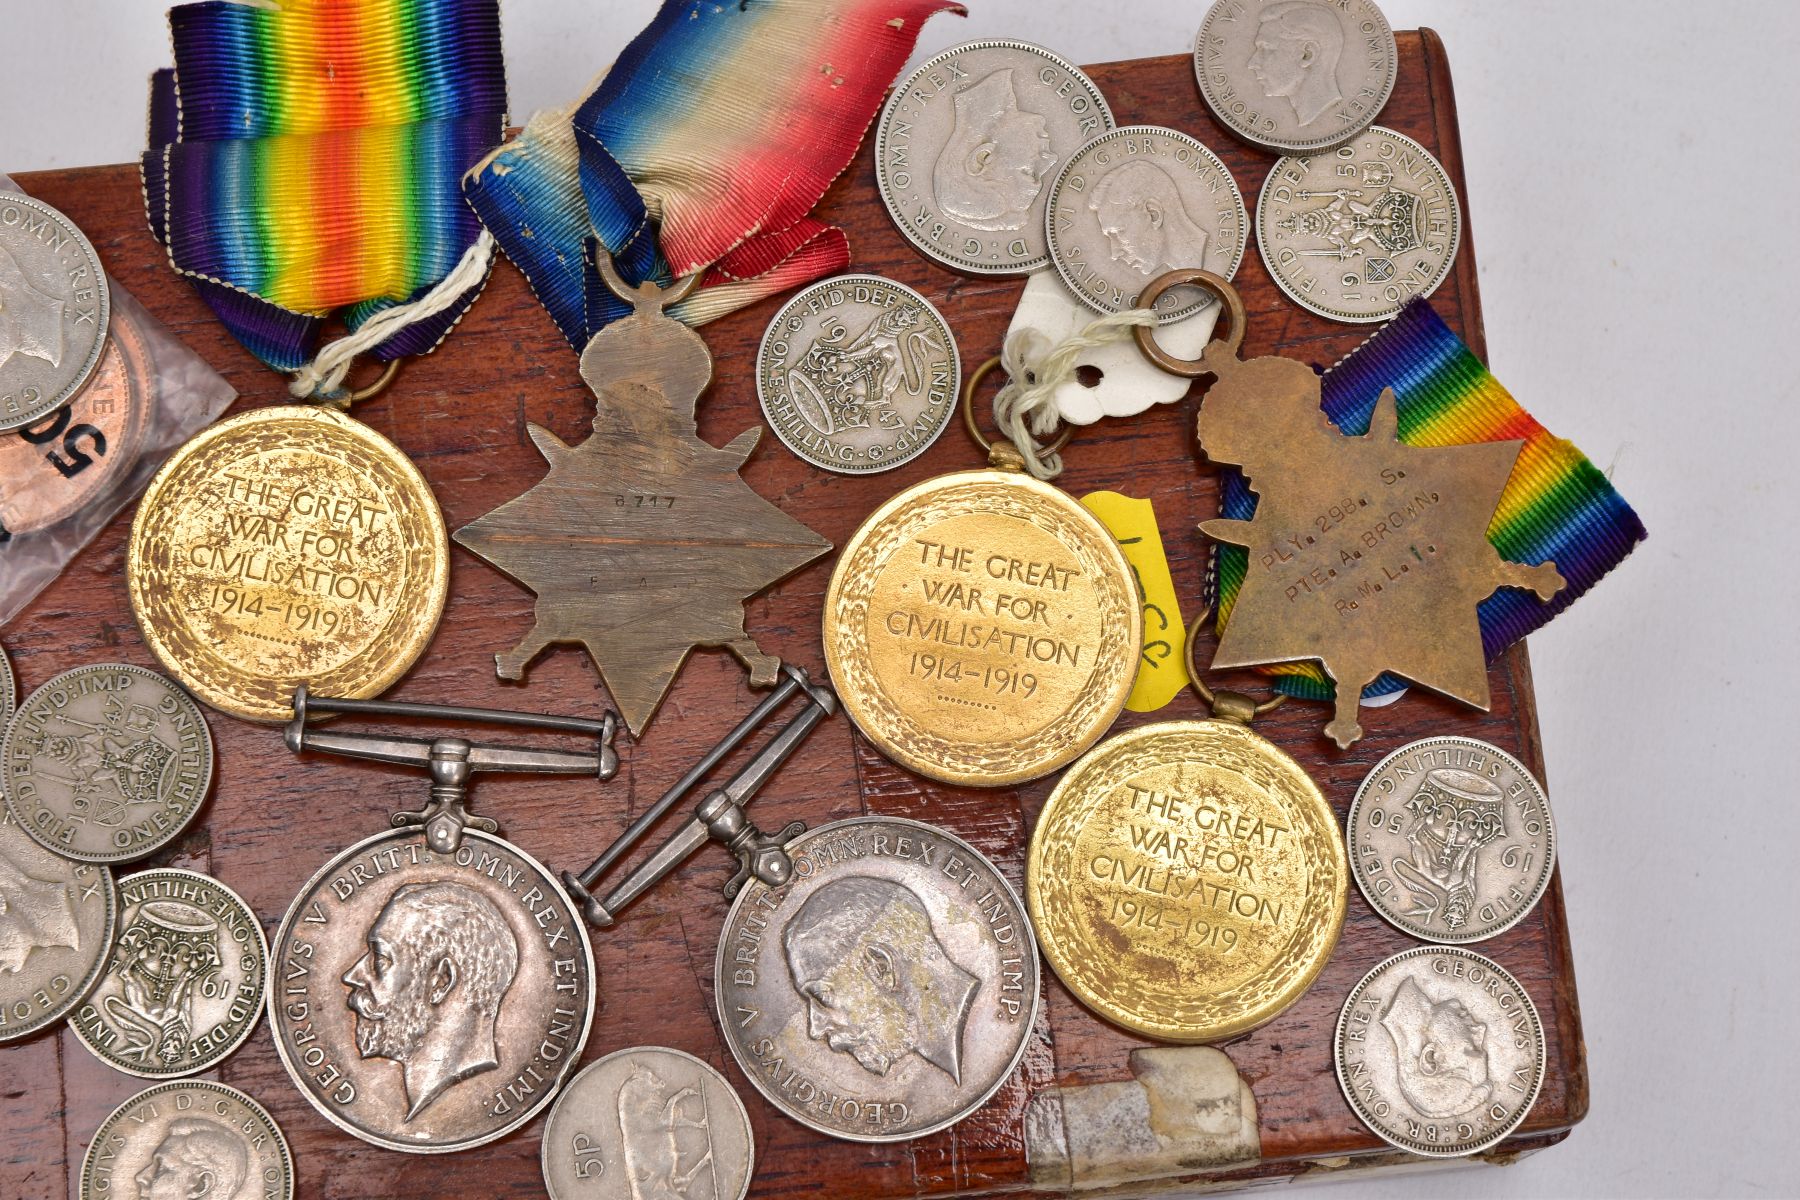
(461, 415)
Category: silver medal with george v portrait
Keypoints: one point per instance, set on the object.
(1295, 76)
(434, 984)
(1451, 840)
(188, 1139)
(1440, 1051)
(888, 990)
(1136, 203)
(430, 1000)
(967, 146)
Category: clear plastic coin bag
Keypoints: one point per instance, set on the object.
(65, 477)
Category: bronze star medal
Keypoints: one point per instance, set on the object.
(1366, 554)
(643, 542)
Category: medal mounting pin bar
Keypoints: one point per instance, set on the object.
(452, 761)
(720, 815)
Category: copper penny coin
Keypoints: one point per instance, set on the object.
(53, 467)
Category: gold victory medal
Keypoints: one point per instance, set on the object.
(983, 628)
(1187, 880)
(287, 546)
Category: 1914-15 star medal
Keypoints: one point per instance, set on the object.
(643, 542)
(1366, 553)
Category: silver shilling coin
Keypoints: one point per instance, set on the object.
(431, 1002)
(1440, 1051)
(888, 990)
(1451, 840)
(184, 985)
(9, 695)
(1136, 203)
(968, 144)
(858, 374)
(57, 919)
(647, 1113)
(54, 306)
(1354, 233)
(1295, 76)
(106, 763)
(189, 1138)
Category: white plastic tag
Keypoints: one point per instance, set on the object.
(1129, 383)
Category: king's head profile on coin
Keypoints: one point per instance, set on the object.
(427, 994)
(30, 320)
(35, 914)
(878, 983)
(1298, 46)
(197, 1157)
(993, 167)
(1140, 211)
(1440, 1052)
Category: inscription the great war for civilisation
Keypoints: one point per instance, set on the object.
(279, 551)
(1194, 867)
(985, 628)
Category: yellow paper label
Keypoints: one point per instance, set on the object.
(1163, 671)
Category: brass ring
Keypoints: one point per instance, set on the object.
(380, 385)
(1218, 285)
(1193, 669)
(968, 412)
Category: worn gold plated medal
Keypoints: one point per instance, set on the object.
(982, 627)
(287, 546)
(1187, 880)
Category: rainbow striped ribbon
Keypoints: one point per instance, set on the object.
(1557, 506)
(306, 159)
(710, 139)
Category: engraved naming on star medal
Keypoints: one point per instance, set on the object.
(643, 541)
(982, 627)
(1187, 879)
(287, 545)
(1368, 554)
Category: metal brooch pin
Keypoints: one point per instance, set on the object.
(452, 761)
(720, 815)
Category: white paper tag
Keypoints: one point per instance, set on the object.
(1130, 383)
